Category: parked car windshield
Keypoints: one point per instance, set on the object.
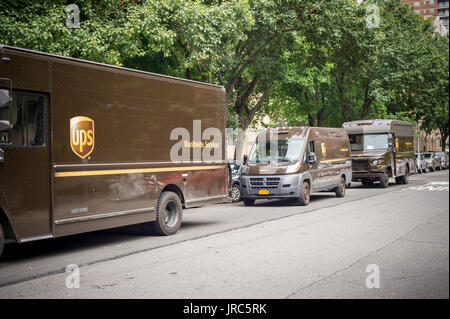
(366, 142)
(440, 155)
(282, 151)
(427, 155)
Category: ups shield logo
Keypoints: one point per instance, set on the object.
(82, 135)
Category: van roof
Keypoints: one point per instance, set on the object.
(119, 68)
(400, 128)
(303, 131)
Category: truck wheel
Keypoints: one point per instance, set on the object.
(384, 181)
(305, 195)
(405, 178)
(169, 213)
(249, 202)
(340, 190)
(235, 193)
(2, 240)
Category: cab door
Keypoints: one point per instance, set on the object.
(25, 170)
(313, 169)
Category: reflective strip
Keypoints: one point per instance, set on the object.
(335, 160)
(135, 171)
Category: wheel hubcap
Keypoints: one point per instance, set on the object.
(171, 214)
(235, 193)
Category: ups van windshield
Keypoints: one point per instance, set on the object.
(366, 142)
(282, 151)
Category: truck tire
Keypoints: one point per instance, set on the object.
(249, 202)
(384, 181)
(405, 178)
(305, 195)
(340, 190)
(2, 240)
(169, 213)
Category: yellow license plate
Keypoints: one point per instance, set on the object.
(263, 192)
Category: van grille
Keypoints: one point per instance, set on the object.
(266, 182)
(360, 165)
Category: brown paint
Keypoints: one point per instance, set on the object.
(129, 115)
(393, 161)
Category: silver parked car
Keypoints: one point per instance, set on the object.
(431, 161)
(443, 158)
(420, 163)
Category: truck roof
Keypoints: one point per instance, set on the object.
(302, 132)
(399, 128)
(5, 48)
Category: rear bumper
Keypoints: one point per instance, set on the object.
(287, 187)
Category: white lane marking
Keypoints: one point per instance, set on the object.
(432, 186)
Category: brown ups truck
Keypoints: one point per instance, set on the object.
(381, 149)
(295, 162)
(87, 146)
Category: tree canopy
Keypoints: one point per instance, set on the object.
(310, 62)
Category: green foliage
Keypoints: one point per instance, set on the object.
(309, 62)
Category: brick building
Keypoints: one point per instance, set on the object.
(435, 9)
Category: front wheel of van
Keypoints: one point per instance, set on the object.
(2, 240)
(305, 195)
(384, 181)
(169, 213)
(340, 190)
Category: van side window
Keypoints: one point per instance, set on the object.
(27, 119)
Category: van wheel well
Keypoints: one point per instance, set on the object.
(308, 181)
(389, 170)
(174, 188)
(7, 228)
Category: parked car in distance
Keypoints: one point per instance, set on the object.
(443, 158)
(293, 162)
(235, 183)
(431, 162)
(420, 163)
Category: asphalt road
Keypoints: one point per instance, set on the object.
(273, 250)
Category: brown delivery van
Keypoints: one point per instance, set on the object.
(381, 149)
(295, 162)
(87, 146)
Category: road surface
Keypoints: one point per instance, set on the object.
(373, 243)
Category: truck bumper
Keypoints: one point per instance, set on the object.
(358, 176)
(270, 186)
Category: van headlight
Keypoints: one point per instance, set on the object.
(376, 162)
(293, 168)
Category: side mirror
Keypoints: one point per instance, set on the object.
(4, 125)
(245, 159)
(311, 158)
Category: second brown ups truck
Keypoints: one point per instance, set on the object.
(294, 162)
(381, 149)
(86, 146)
